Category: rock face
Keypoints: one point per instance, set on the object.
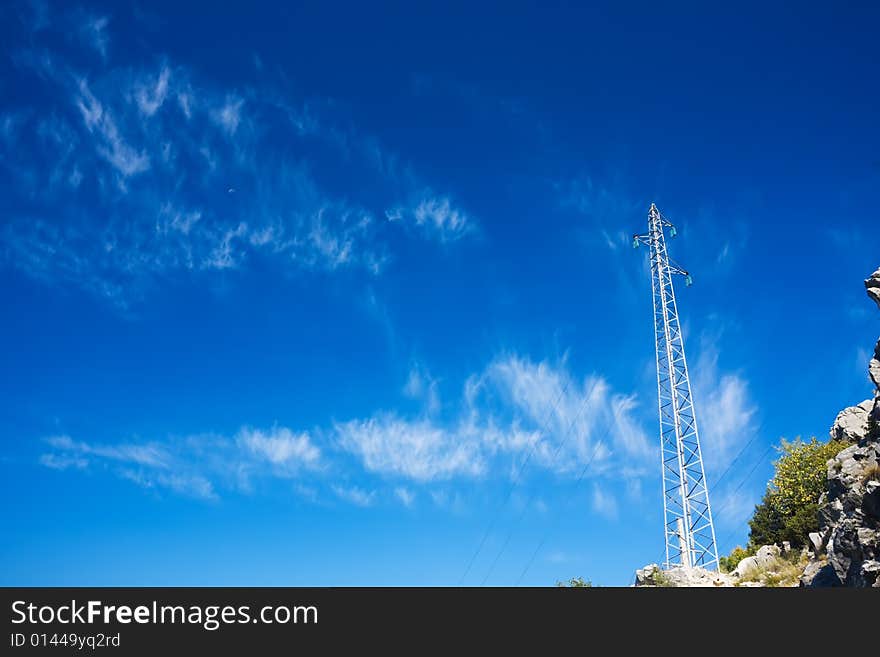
(872, 284)
(851, 424)
(848, 540)
(874, 367)
(846, 549)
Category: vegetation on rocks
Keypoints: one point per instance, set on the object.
(576, 583)
(784, 570)
(729, 563)
(789, 510)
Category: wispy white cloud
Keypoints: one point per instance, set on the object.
(615, 240)
(417, 450)
(336, 246)
(727, 418)
(450, 500)
(37, 14)
(405, 495)
(127, 160)
(193, 465)
(176, 219)
(421, 386)
(726, 412)
(228, 115)
(435, 215)
(150, 94)
(512, 410)
(229, 249)
(498, 421)
(604, 502)
(607, 206)
(57, 462)
(141, 454)
(732, 508)
(188, 485)
(580, 417)
(557, 557)
(93, 30)
(10, 125)
(186, 176)
(513, 407)
(439, 214)
(281, 446)
(355, 495)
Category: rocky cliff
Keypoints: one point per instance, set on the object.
(873, 287)
(846, 549)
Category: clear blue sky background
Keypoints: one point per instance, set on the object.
(289, 291)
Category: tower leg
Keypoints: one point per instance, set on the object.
(683, 542)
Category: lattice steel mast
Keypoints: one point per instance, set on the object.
(689, 530)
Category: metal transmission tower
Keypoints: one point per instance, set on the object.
(689, 531)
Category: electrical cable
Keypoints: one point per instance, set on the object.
(559, 446)
(514, 483)
(568, 499)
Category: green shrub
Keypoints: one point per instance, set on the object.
(662, 579)
(772, 580)
(767, 524)
(576, 583)
(729, 563)
(789, 510)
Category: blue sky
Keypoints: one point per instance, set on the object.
(290, 292)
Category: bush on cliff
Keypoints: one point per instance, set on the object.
(789, 510)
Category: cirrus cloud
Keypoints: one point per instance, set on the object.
(112, 151)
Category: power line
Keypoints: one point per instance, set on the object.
(515, 482)
(736, 458)
(583, 473)
(746, 478)
(559, 447)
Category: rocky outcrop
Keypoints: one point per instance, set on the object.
(851, 424)
(654, 576)
(846, 549)
(819, 574)
(770, 566)
(765, 557)
(874, 367)
(872, 284)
